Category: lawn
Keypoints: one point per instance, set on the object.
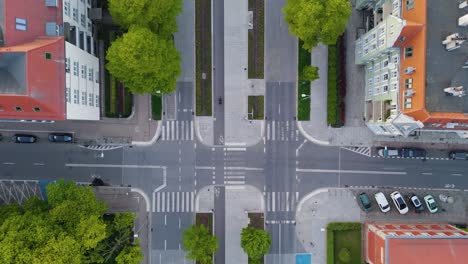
(205, 219)
(256, 40)
(203, 57)
(256, 107)
(344, 242)
(303, 103)
(156, 107)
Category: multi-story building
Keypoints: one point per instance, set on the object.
(45, 76)
(411, 75)
(387, 243)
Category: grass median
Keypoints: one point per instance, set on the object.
(256, 40)
(156, 107)
(303, 95)
(203, 66)
(256, 106)
(344, 243)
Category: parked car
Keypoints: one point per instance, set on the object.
(365, 201)
(458, 155)
(399, 202)
(382, 202)
(23, 138)
(430, 203)
(413, 153)
(388, 152)
(220, 100)
(418, 207)
(61, 137)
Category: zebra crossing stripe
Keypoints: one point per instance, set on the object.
(191, 201)
(287, 202)
(273, 201)
(273, 131)
(177, 201)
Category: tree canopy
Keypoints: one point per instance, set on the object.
(158, 15)
(309, 73)
(144, 61)
(199, 244)
(315, 21)
(67, 228)
(255, 242)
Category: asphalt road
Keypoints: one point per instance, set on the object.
(218, 71)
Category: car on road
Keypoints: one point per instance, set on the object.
(220, 100)
(388, 152)
(399, 202)
(413, 153)
(365, 201)
(61, 137)
(23, 138)
(416, 203)
(382, 202)
(458, 155)
(430, 203)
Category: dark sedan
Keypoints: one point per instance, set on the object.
(61, 137)
(413, 153)
(22, 138)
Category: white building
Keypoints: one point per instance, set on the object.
(82, 65)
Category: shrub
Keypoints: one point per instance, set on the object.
(344, 255)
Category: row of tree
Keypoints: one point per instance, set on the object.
(145, 58)
(69, 227)
(200, 245)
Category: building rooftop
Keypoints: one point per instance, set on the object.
(448, 250)
(444, 68)
(2, 22)
(13, 73)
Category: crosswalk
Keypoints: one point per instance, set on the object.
(173, 202)
(366, 151)
(234, 166)
(175, 130)
(281, 131)
(281, 201)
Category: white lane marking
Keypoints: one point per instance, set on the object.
(38, 164)
(158, 200)
(234, 182)
(268, 130)
(273, 131)
(163, 202)
(426, 173)
(236, 149)
(173, 132)
(243, 168)
(177, 130)
(353, 171)
(273, 201)
(177, 201)
(91, 165)
(163, 130)
(191, 201)
(182, 133)
(191, 130)
(456, 174)
(204, 168)
(9, 163)
(287, 201)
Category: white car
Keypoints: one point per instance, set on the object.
(382, 202)
(399, 202)
(430, 203)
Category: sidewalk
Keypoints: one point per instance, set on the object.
(354, 132)
(137, 128)
(324, 206)
(238, 201)
(238, 130)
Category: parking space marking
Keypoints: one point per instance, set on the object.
(353, 171)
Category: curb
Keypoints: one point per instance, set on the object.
(310, 138)
(153, 140)
(309, 195)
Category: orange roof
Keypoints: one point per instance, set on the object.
(427, 251)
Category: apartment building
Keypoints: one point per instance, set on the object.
(413, 80)
(48, 66)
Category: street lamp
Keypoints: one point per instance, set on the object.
(305, 96)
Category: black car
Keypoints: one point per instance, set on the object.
(458, 155)
(61, 137)
(413, 153)
(416, 203)
(365, 201)
(220, 101)
(23, 138)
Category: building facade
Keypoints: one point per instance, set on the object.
(404, 88)
(37, 79)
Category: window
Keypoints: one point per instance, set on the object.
(83, 71)
(66, 6)
(96, 77)
(370, 81)
(408, 52)
(36, 109)
(75, 14)
(83, 20)
(67, 65)
(91, 101)
(18, 109)
(83, 98)
(409, 4)
(394, 86)
(75, 68)
(76, 96)
(67, 95)
(395, 59)
(21, 24)
(385, 64)
(385, 88)
(97, 100)
(394, 74)
(381, 42)
(90, 74)
(409, 83)
(48, 55)
(385, 76)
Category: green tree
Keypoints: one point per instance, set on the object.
(129, 255)
(310, 73)
(145, 62)
(158, 15)
(315, 21)
(199, 244)
(255, 242)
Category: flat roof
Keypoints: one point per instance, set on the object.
(444, 68)
(427, 250)
(13, 73)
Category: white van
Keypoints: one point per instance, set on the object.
(388, 152)
(382, 202)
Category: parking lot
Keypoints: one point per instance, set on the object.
(447, 212)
